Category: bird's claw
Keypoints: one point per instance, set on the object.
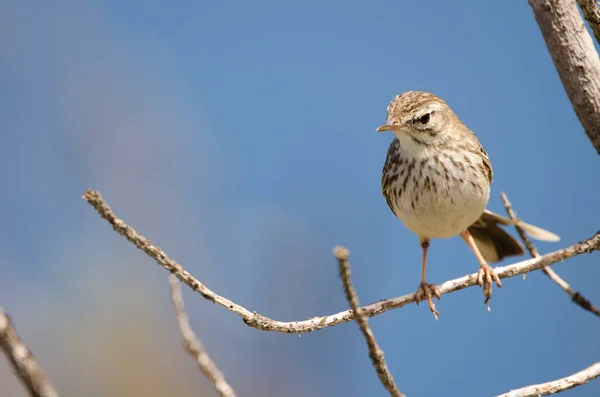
(428, 292)
(486, 277)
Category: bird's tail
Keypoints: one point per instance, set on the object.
(495, 243)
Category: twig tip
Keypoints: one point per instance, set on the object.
(341, 253)
(90, 195)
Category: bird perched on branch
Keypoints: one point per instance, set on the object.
(436, 180)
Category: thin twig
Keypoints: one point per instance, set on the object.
(592, 15)
(578, 298)
(557, 386)
(22, 361)
(194, 347)
(375, 353)
(263, 323)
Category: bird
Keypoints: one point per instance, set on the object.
(436, 179)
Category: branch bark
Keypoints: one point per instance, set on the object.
(557, 386)
(264, 323)
(375, 353)
(576, 297)
(194, 347)
(22, 361)
(592, 15)
(575, 58)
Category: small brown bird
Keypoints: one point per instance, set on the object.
(436, 180)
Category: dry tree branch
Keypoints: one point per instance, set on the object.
(592, 15)
(375, 353)
(22, 361)
(578, 298)
(575, 59)
(263, 323)
(556, 386)
(194, 347)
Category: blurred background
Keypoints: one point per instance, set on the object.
(239, 137)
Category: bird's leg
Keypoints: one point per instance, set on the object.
(486, 276)
(427, 291)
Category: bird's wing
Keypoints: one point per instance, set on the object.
(386, 178)
(487, 165)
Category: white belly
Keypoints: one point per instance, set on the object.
(433, 205)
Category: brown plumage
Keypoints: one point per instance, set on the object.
(437, 179)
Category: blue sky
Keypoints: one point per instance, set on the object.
(239, 137)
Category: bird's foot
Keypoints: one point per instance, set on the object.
(486, 278)
(428, 292)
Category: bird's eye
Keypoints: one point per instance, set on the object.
(424, 119)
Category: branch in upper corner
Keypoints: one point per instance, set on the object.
(557, 386)
(575, 58)
(592, 15)
(194, 347)
(22, 361)
(578, 298)
(263, 323)
(375, 353)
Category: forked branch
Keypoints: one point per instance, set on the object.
(576, 297)
(261, 322)
(575, 59)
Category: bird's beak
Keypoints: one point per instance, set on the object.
(386, 127)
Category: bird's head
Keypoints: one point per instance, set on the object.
(418, 115)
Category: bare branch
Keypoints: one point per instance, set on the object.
(578, 298)
(194, 347)
(592, 15)
(263, 323)
(575, 59)
(22, 361)
(375, 353)
(557, 386)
